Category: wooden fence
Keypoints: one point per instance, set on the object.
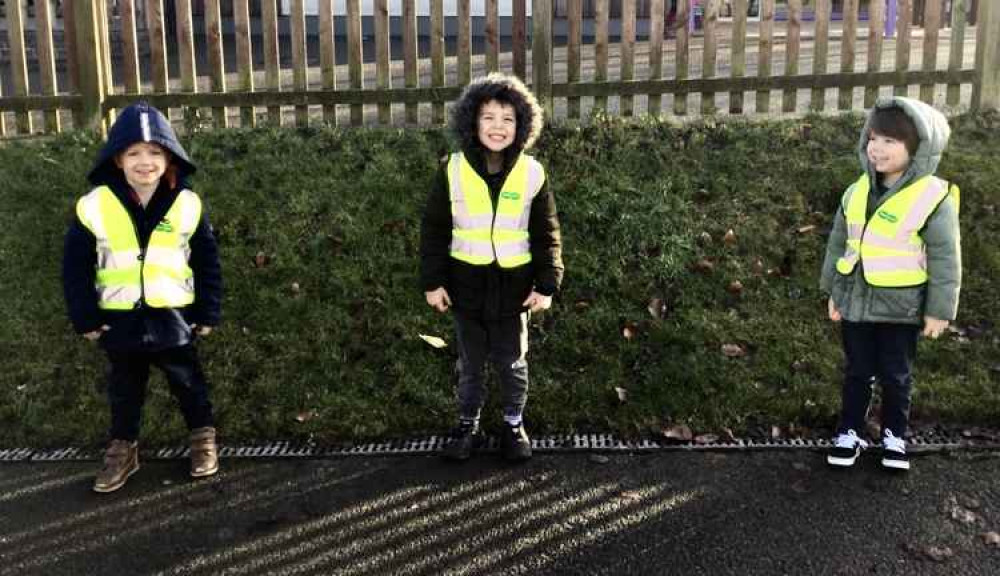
(563, 77)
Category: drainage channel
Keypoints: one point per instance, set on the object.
(549, 444)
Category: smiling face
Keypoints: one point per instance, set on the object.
(888, 156)
(497, 125)
(143, 164)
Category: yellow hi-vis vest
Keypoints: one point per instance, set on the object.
(481, 235)
(127, 277)
(889, 245)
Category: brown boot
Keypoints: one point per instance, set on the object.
(121, 460)
(204, 453)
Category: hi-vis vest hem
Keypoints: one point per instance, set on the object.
(481, 234)
(889, 246)
(127, 276)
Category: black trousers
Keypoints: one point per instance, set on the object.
(883, 353)
(503, 342)
(129, 375)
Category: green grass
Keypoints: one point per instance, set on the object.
(337, 213)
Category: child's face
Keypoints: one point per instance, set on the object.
(888, 155)
(143, 164)
(497, 125)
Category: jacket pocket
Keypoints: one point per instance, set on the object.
(898, 303)
(841, 291)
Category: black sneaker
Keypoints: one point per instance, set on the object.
(894, 452)
(462, 441)
(846, 448)
(514, 443)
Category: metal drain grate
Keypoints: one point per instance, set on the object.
(936, 441)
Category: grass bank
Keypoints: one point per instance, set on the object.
(666, 316)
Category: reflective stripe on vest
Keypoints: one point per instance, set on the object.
(889, 245)
(480, 236)
(125, 276)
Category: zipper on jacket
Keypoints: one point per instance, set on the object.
(142, 260)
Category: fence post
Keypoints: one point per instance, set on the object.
(89, 50)
(986, 91)
(541, 53)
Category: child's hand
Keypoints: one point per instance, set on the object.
(438, 299)
(94, 335)
(537, 302)
(201, 330)
(834, 313)
(933, 327)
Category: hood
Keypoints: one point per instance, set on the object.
(503, 87)
(139, 122)
(932, 128)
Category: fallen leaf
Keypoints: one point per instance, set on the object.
(622, 394)
(727, 435)
(630, 495)
(630, 330)
(680, 433)
(581, 305)
(705, 238)
(807, 228)
(735, 288)
(704, 266)
(962, 515)
(730, 237)
(991, 539)
(305, 416)
(733, 351)
(757, 266)
(657, 308)
(295, 288)
(433, 341)
(704, 439)
(260, 260)
(939, 553)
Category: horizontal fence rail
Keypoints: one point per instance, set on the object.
(236, 63)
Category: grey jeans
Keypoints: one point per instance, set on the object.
(504, 342)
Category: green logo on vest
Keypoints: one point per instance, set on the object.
(508, 195)
(887, 216)
(164, 226)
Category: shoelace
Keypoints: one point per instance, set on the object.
(849, 440)
(891, 442)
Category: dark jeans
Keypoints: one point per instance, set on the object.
(129, 375)
(505, 343)
(884, 353)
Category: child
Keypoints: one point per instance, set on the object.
(892, 266)
(141, 277)
(491, 252)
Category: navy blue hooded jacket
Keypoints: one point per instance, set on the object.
(142, 327)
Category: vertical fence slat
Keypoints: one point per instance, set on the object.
(91, 71)
(845, 98)
(157, 45)
(300, 74)
(69, 41)
(821, 46)
(272, 64)
(130, 52)
(764, 49)
(904, 22)
(18, 59)
(244, 56)
(876, 23)
(354, 64)
(575, 17)
(464, 43)
(541, 53)
(46, 58)
(216, 64)
(492, 36)
(437, 55)
(739, 56)
(956, 50)
(519, 32)
(410, 57)
(3, 115)
(932, 23)
(185, 45)
(986, 92)
(627, 51)
(602, 10)
(656, 17)
(709, 52)
(103, 20)
(328, 56)
(681, 55)
(382, 79)
(789, 96)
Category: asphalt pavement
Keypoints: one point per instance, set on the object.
(691, 513)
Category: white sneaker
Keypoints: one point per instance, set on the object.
(894, 452)
(846, 448)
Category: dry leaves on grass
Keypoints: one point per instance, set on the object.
(434, 341)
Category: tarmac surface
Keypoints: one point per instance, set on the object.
(703, 513)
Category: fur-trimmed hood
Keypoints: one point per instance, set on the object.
(503, 88)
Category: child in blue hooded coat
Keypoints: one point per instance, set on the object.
(141, 277)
